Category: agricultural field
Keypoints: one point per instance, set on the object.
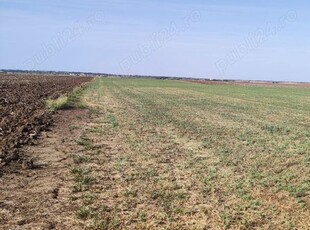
(167, 154)
(22, 109)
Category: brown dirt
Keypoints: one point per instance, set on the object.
(22, 111)
(39, 198)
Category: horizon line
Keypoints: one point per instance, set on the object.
(151, 76)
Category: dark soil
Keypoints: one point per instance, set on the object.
(23, 115)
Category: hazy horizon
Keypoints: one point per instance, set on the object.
(202, 39)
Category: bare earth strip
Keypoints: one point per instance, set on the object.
(40, 198)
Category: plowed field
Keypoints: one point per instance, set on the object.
(22, 109)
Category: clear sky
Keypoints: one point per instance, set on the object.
(262, 40)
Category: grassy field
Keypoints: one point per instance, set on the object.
(179, 155)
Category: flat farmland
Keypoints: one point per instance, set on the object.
(167, 154)
(180, 155)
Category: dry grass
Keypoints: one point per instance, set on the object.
(57, 104)
(178, 155)
(68, 101)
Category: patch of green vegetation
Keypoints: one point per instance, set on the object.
(106, 222)
(121, 163)
(298, 191)
(142, 216)
(180, 195)
(84, 212)
(88, 198)
(112, 120)
(82, 178)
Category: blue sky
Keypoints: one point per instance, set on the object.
(259, 40)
